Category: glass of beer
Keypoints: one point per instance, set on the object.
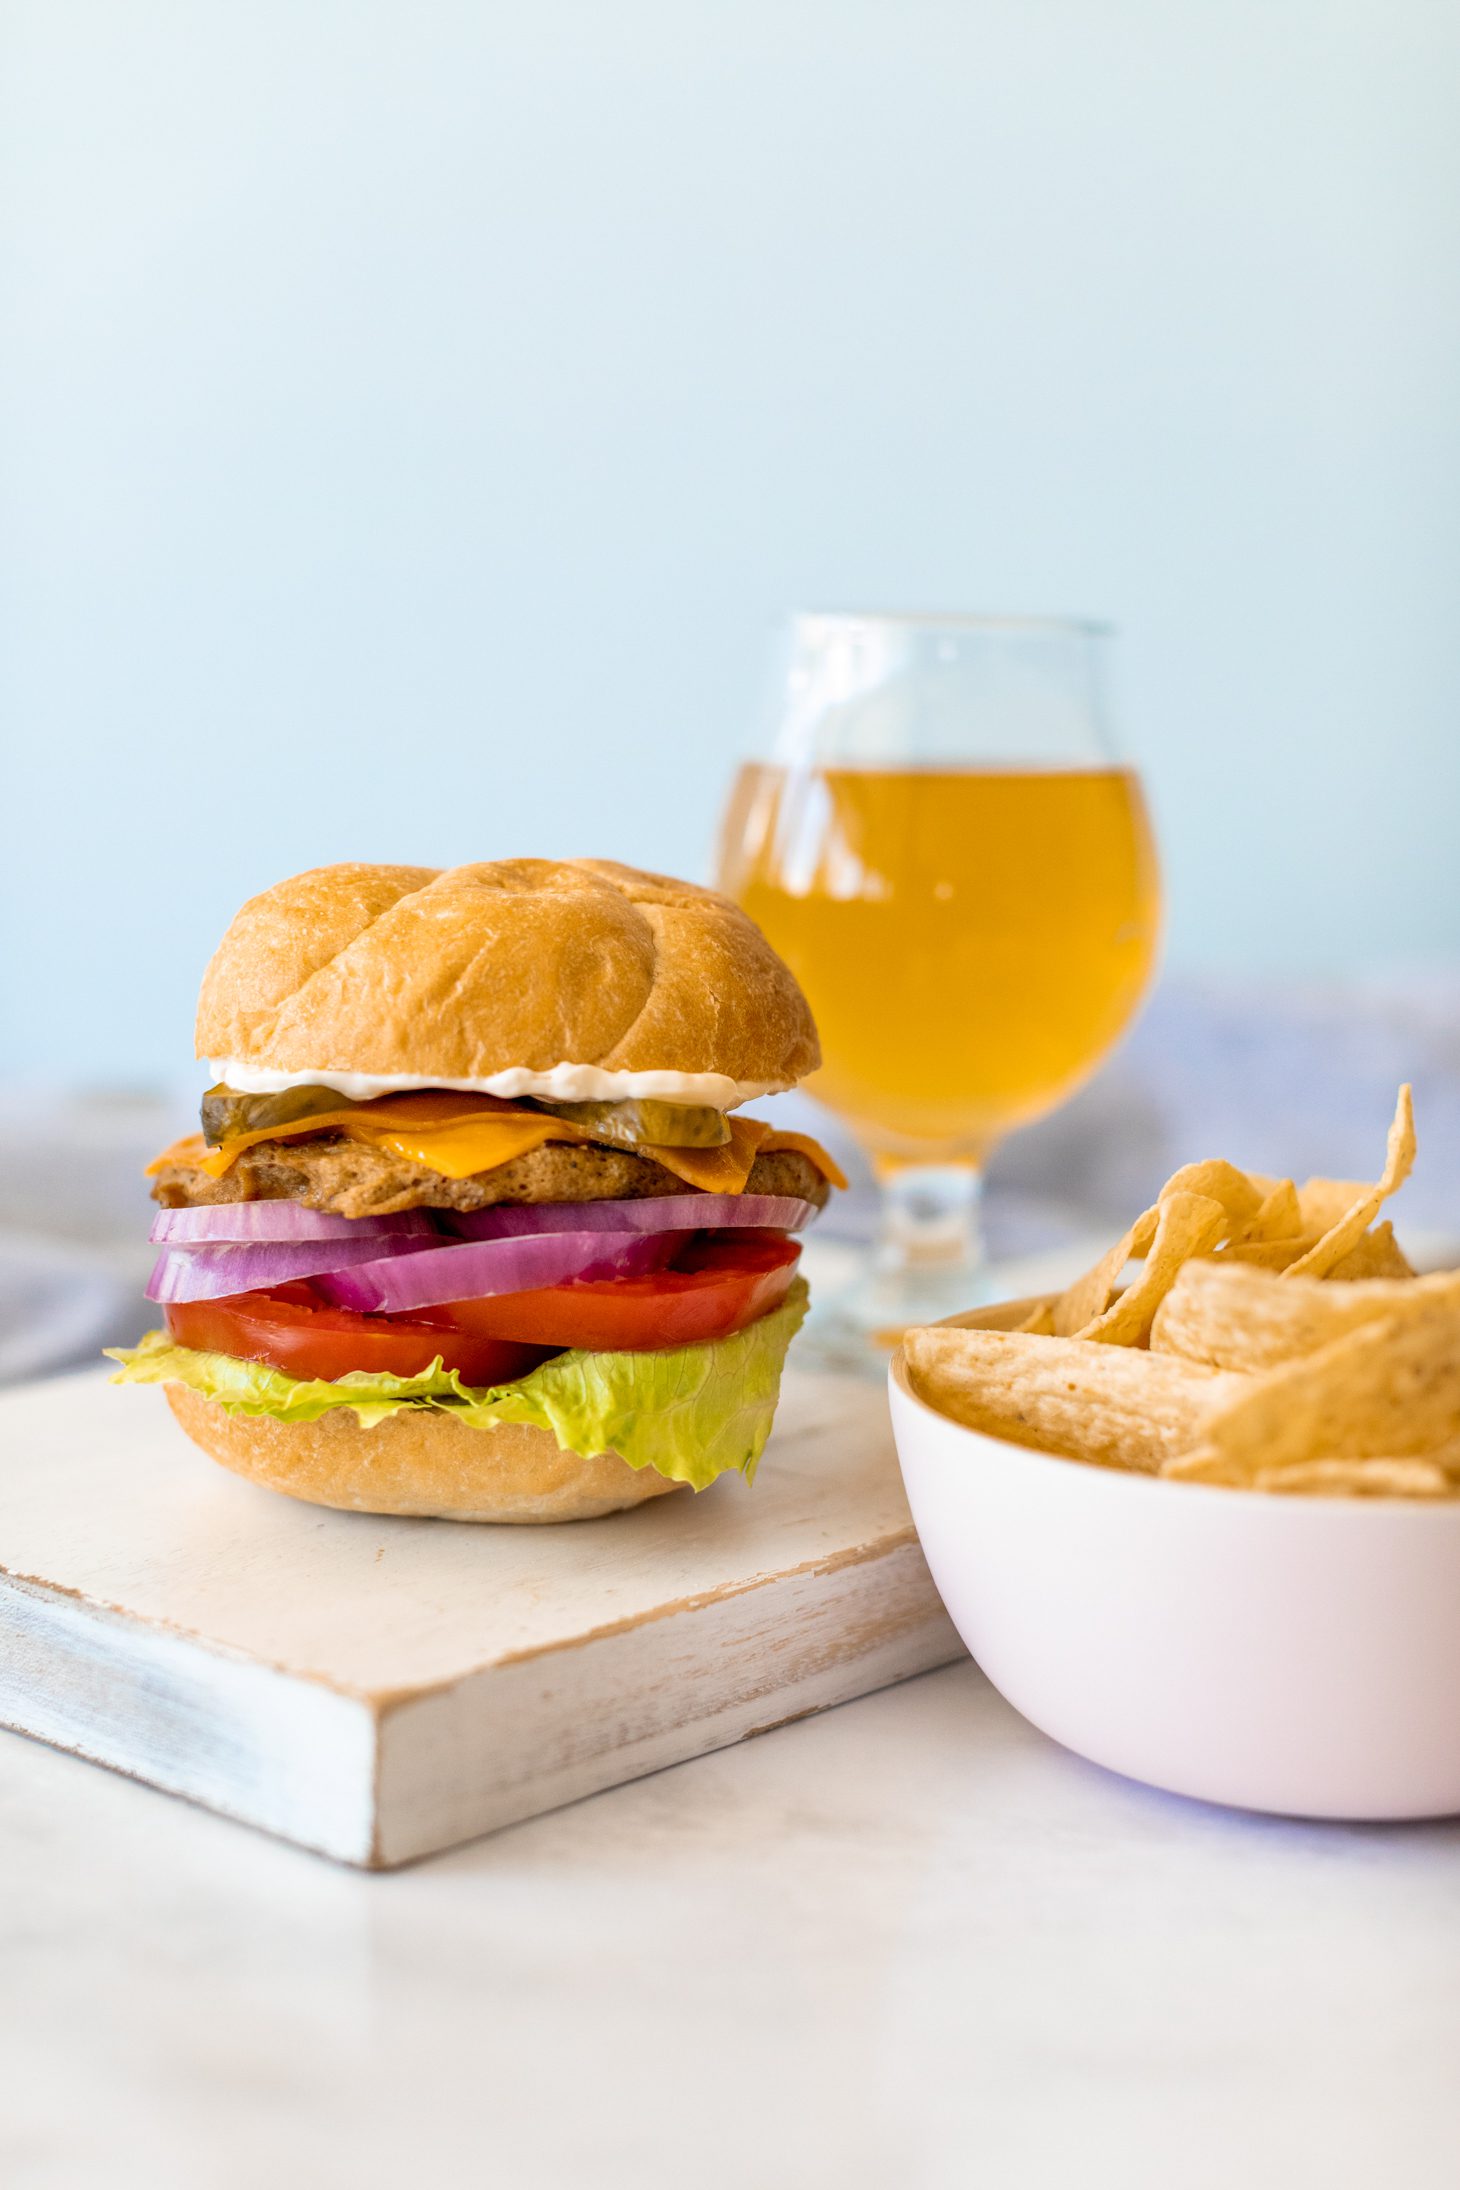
(963, 878)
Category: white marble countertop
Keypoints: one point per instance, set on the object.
(905, 1946)
(910, 1943)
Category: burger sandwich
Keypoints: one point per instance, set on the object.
(475, 1226)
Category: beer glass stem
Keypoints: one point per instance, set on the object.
(930, 1246)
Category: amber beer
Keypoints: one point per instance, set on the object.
(973, 940)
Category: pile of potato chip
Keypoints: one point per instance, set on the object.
(1276, 1339)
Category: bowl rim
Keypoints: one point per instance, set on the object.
(1444, 1513)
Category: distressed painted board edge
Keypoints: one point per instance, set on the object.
(291, 1756)
(380, 1782)
(528, 1735)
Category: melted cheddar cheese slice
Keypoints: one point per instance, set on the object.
(459, 1140)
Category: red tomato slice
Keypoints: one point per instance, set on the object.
(292, 1329)
(716, 1285)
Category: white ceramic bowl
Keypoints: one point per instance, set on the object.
(1300, 1655)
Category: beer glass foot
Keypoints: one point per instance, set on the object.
(928, 1263)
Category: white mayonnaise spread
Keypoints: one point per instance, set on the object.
(563, 1084)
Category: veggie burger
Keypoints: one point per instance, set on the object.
(475, 1226)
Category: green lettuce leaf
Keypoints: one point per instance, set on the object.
(691, 1412)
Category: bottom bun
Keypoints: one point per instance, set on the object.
(418, 1461)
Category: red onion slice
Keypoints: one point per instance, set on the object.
(239, 1222)
(656, 1213)
(476, 1269)
(215, 1272)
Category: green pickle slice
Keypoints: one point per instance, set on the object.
(225, 1113)
(619, 1125)
(635, 1124)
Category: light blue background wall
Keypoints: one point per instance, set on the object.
(416, 417)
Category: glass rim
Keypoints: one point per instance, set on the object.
(1088, 627)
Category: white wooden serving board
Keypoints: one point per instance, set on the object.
(377, 1689)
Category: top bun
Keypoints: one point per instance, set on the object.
(463, 972)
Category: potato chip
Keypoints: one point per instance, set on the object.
(1204, 1464)
(1445, 1457)
(1091, 1295)
(1277, 1216)
(1254, 1209)
(1112, 1404)
(1270, 1254)
(1186, 1225)
(1377, 1478)
(1349, 1228)
(1232, 1316)
(1426, 1476)
(1221, 1182)
(1389, 1388)
(1377, 1254)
